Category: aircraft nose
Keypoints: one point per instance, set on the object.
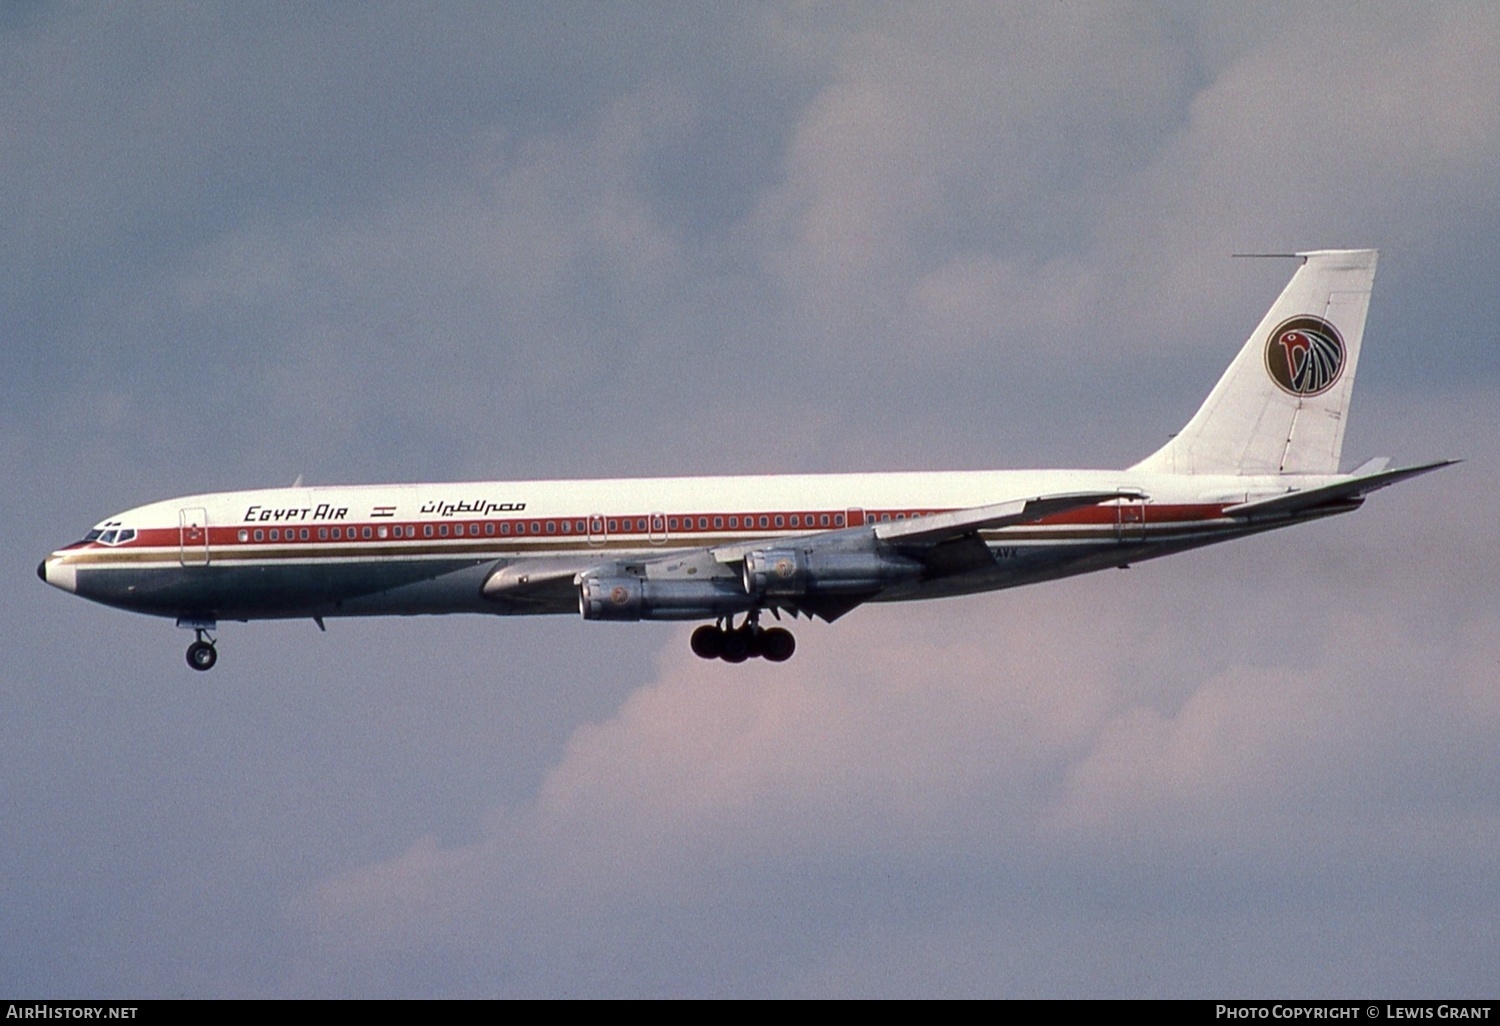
(58, 573)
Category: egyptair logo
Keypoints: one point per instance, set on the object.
(1305, 356)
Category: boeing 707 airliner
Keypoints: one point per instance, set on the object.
(1261, 453)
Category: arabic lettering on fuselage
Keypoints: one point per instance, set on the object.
(477, 508)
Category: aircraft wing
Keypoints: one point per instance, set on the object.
(859, 562)
(848, 565)
(941, 527)
(1335, 497)
(937, 528)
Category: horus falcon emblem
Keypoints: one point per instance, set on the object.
(1305, 356)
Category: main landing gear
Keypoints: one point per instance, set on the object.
(201, 654)
(736, 644)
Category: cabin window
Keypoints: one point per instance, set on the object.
(552, 527)
(489, 528)
(366, 532)
(734, 522)
(718, 523)
(796, 521)
(765, 521)
(505, 527)
(780, 520)
(703, 523)
(382, 532)
(260, 535)
(244, 536)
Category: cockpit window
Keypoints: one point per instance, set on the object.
(111, 534)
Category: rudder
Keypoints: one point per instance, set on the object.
(1281, 406)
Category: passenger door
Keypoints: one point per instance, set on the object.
(192, 536)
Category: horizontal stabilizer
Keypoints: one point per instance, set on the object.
(1351, 490)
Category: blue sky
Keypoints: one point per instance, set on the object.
(419, 242)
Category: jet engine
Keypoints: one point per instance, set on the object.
(791, 572)
(627, 597)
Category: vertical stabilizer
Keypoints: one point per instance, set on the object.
(1280, 408)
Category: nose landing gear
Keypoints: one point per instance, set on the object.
(749, 640)
(201, 654)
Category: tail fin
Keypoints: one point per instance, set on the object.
(1280, 407)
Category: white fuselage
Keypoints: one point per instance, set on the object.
(521, 547)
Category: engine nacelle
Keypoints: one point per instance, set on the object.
(792, 572)
(776, 572)
(627, 597)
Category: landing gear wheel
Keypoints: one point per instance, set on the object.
(777, 645)
(734, 647)
(201, 655)
(747, 641)
(707, 642)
